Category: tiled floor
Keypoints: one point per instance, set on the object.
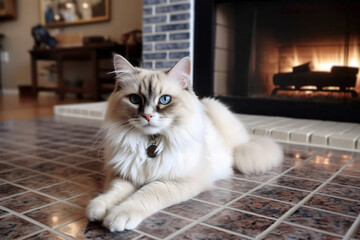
(49, 170)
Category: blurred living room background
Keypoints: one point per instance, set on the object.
(86, 33)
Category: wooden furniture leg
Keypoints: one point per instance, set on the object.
(60, 79)
(95, 85)
(34, 77)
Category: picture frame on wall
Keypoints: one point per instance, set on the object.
(7, 9)
(59, 13)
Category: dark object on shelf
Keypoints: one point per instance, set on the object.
(42, 37)
(93, 40)
(342, 77)
(2, 36)
(25, 91)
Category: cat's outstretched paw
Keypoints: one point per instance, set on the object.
(120, 219)
(96, 210)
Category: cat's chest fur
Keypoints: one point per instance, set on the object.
(175, 157)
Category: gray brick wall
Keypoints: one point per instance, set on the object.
(166, 32)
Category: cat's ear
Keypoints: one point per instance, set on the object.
(123, 68)
(181, 72)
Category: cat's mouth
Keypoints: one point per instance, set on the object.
(150, 129)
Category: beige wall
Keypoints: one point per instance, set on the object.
(126, 15)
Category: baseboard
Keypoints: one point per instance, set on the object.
(10, 91)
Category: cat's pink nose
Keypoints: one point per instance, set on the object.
(147, 117)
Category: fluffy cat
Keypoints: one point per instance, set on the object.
(163, 145)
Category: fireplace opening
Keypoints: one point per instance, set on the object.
(296, 58)
(288, 50)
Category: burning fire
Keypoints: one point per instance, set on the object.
(324, 58)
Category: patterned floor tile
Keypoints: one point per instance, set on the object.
(27, 161)
(25, 202)
(9, 156)
(12, 227)
(341, 191)
(298, 183)
(240, 222)
(72, 159)
(95, 166)
(65, 190)
(281, 193)
(347, 180)
(310, 173)
(218, 196)
(83, 229)
(5, 167)
(47, 167)
(45, 235)
(202, 232)
(261, 206)
(38, 181)
(237, 185)
(256, 177)
(94, 180)
(285, 231)
(3, 213)
(56, 214)
(84, 199)
(162, 225)
(69, 172)
(357, 233)
(8, 190)
(321, 220)
(191, 209)
(333, 204)
(321, 167)
(16, 174)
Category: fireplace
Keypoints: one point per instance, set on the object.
(285, 58)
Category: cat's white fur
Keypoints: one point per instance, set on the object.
(204, 146)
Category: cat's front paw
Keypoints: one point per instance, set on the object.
(96, 210)
(120, 218)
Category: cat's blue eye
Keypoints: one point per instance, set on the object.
(135, 99)
(165, 99)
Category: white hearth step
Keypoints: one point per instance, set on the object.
(300, 131)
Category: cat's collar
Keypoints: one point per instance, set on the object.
(151, 149)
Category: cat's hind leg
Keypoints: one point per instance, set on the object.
(118, 191)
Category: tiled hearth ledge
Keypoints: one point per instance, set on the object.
(299, 131)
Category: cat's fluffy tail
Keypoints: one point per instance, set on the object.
(258, 155)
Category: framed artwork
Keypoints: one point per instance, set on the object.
(57, 13)
(7, 9)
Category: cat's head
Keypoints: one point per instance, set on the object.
(151, 101)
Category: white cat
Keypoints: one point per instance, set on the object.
(163, 145)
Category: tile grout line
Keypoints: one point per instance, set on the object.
(57, 200)
(50, 175)
(215, 211)
(39, 224)
(301, 203)
(280, 201)
(352, 230)
(193, 223)
(145, 234)
(32, 234)
(313, 229)
(225, 230)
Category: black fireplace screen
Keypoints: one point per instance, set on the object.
(287, 50)
(283, 55)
